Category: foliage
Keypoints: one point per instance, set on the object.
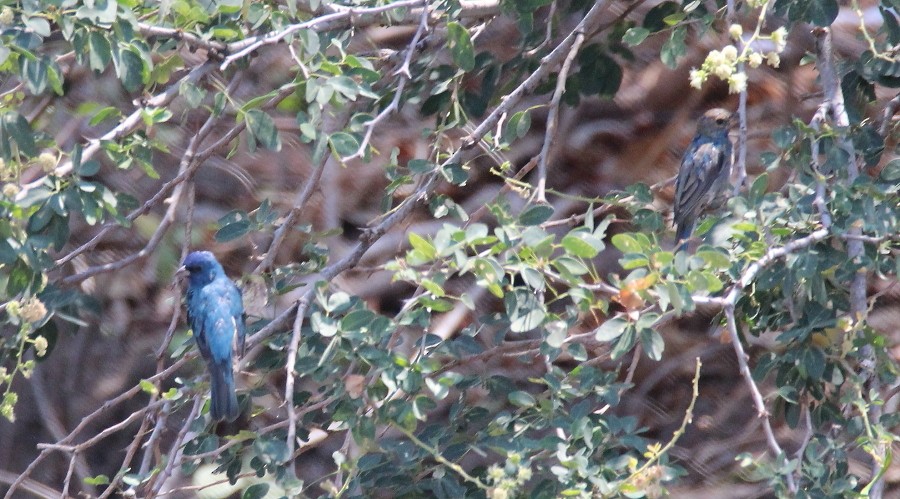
(423, 418)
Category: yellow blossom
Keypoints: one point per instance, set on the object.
(779, 38)
(754, 59)
(6, 408)
(715, 58)
(730, 53)
(773, 59)
(7, 16)
(737, 83)
(40, 346)
(736, 30)
(697, 78)
(13, 308)
(33, 310)
(724, 71)
(524, 474)
(47, 162)
(10, 190)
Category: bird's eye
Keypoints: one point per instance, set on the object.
(720, 120)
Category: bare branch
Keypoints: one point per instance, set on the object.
(755, 394)
(553, 117)
(175, 454)
(325, 22)
(127, 126)
(405, 76)
(889, 111)
(834, 100)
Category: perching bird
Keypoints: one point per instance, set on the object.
(216, 316)
(705, 171)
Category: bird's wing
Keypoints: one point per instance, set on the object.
(196, 312)
(700, 168)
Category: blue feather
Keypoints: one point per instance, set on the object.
(704, 173)
(216, 315)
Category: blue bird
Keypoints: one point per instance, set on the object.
(705, 171)
(216, 315)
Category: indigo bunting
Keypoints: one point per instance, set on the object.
(216, 315)
(705, 171)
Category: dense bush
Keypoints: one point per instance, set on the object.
(512, 327)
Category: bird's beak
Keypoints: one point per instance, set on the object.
(181, 273)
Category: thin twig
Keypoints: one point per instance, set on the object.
(405, 76)
(325, 22)
(300, 201)
(126, 127)
(755, 394)
(888, 115)
(289, 370)
(834, 99)
(188, 38)
(91, 418)
(553, 117)
(175, 454)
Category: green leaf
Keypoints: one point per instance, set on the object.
(343, 144)
(582, 244)
(101, 12)
(421, 244)
(521, 399)
(813, 363)
(634, 36)
(34, 70)
(270, 449)
(255, 491)
(652, 343)
(38, 25)
(88, 168)
(20, 278)
(97, 480)
(233, 225)
(420, 166)
(611, 329)
(131, 68)
(569, 267)
(8, 254)
(714, 259)
(784, 136)
(455, 173)
(99, 51)
(532, 277)
(147, 386)
(599, 73)
(263, 130)
(17, 128)
(655, 18)
(536, 214)
(517, 126)
(822, 12)
(524, 310)
(758, 188)
(103, 114)
(891, 171)
(461, 47)
(556, 333)
(674, 48)
(624, 345)
(345, 85)
(626, 243)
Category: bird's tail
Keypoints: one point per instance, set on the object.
(223, 402)
(682, 234)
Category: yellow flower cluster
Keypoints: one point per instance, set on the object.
(724, 63)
